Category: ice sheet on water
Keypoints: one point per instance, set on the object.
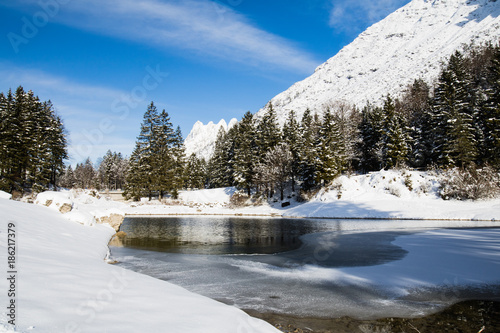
(410, 286)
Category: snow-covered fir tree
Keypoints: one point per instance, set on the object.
(33, 142)
(112, 171)
(308, 150)
(245, 153)
(267, 132)
(275, 171)
(291, 136)
(220, 166)
(453, 114)
(140, 174)
(371, 131)
(156, 164)
(491, 111)
(331, 150)
(395, 141)
(195, 172)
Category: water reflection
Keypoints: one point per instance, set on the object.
(216, 235)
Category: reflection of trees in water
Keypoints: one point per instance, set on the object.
(224, 235)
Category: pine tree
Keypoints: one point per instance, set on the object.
(308, 152)
(85, 174)
(196, 172)
(112, 171)
(68, 179)
(33, 143)
(140, 175)
(244, 153)
(331, 150)
(57, 145)
(275, 171)
(454, 116)
(179, 162)
(416, 104)
(267, 132)
(371, 131)
(162, 161)
(491, 112)
(348, 119)
(291, 136)
(7, 140)
(220, 165)
(395, 140)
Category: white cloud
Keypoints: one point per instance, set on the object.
(354, 16)
(201, 26)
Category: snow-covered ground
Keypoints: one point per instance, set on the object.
(387, 194)
(63, 283)
(393, 194)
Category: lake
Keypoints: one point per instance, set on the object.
(314, 267)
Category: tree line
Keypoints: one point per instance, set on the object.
(109, 174)
(33, 144)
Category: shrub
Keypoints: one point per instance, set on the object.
(470, 183)
(239, 199)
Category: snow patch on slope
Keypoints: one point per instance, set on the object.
(409, 44)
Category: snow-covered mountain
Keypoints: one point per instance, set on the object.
(201, 140)
(408, 44)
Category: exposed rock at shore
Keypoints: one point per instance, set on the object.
(55, 200)
(113, 219)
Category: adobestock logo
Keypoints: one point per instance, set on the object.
(32, 25)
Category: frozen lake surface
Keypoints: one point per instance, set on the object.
(321, 268)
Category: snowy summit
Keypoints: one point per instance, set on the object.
(201, 140)
(408, 44)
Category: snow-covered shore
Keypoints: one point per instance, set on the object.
(380, 195)
(63, 284)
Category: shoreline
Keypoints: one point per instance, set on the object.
(465, 316)
(309, 217)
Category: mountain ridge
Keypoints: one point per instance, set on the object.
(201, 140)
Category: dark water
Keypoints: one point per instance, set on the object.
(281, 237)
(215, 235)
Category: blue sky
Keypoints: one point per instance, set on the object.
(102, 62)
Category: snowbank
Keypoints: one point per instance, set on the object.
(84, 207)
(389, 194)
(5, 195)
(59, 201)
(392, 194)
(214, 197)
(65, 285)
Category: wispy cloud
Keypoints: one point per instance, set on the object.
(354, 16)
(201, 26)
